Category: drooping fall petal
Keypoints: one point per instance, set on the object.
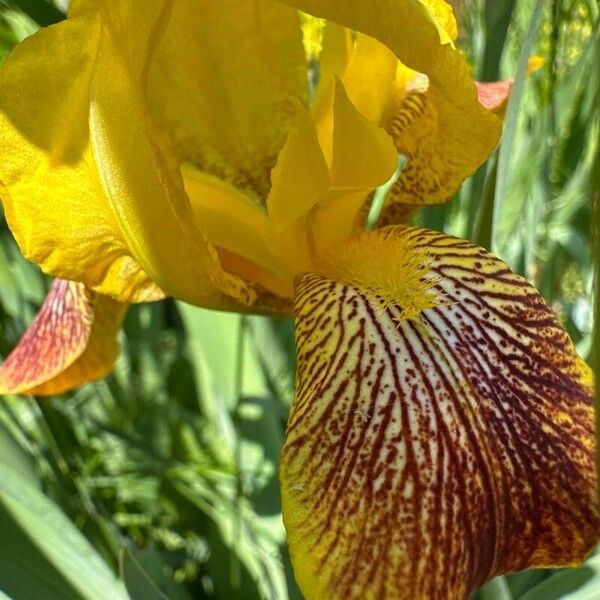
(71, 341)
(442, 427)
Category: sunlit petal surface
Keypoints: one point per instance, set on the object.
(71, 341)
(137, 168)
(438, 440)
(452, 132)
(47, 162)
(226, 80)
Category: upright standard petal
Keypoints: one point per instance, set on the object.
(53, 200)
(71, 341)
(457, 134)
(361, 157)
(442, 427)
(226, 80)
(138, 169)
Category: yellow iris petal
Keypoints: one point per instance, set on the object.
(333, 60)
(300, 176)
(126, 92)
(437, 439)
(363, 155)
(444, 19)
(249, 251)
(226, 80)
(71, 341)
(455, 122)
(53, 200)
(139, 174)
(368, 77)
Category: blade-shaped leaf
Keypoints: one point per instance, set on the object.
(138, 584)
(42, 554)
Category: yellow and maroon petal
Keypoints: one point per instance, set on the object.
(71, 341)
(438, 439)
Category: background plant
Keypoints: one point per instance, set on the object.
(161, 481)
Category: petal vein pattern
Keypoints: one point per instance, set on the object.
(72, 340)
(423, 456)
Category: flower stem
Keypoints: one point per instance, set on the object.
(235, 567)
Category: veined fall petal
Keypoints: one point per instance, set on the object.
(72, 340)
(442, 427)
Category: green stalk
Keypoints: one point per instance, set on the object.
(507, 146)
(235, 572)
(497, 18)
(482, 228)
(44, 13)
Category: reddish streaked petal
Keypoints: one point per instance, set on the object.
(425, 456)
(494, 94)
(71, 341)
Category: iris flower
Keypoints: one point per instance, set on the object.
(441, 431)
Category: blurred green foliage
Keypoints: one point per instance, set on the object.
(161, 481)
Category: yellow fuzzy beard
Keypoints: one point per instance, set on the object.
(388, 269)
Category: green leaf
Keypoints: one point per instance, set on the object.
(13, 456)
(497, 19)
(44, 13)
(482, 230)
(496, 589)
(42, 554)
(582, 583)
(509, 138)
(138, 584)
(213, 341)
